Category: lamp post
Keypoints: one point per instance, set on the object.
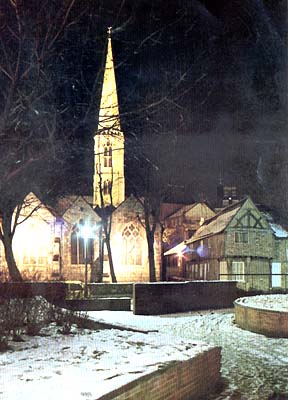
(86, 232)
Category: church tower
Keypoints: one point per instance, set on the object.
(109, 181)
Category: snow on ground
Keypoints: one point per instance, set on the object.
(86, 364)
(276, 302)
(254, 365)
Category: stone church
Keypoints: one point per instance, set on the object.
(59, 242)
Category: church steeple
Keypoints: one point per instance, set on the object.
(109, 110)
(109, 178)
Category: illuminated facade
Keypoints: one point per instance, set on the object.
(129, 244)
(48, 245)
(109, 181)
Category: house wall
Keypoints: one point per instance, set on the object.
(281, 255)
(182, 224)
(174, 267)
(256, 255)
(260, 243)
(208, 251)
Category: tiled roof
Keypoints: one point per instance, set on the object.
(182, 210)
(216, 224)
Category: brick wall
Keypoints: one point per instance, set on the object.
(53, 291)
(268, 322)
(164, 298)
(181, 380)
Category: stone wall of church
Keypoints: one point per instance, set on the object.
(129, 244)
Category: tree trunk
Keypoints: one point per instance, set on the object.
(6, 237)
(11, 263)
(101, 256)
(151, 258)
(112, 272)
(108, 246)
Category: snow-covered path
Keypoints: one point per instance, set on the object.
(255, 366)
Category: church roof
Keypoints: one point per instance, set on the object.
(64, 203)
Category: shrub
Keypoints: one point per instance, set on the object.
(38, 313)
(65, 319)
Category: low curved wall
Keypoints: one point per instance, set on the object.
(268, 322)
(180, 380)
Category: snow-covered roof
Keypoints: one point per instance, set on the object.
(180, 248)
(278, 230)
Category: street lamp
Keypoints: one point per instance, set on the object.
(87, 232)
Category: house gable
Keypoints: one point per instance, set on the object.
(198, 211)
(248, 217)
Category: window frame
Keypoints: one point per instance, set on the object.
(241, 237)
(239, 274)
(132, 246)
(77, 249)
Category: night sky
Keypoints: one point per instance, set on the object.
(202, 92)
(204, 82)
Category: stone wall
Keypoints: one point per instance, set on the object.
(164, 298)
(189, 379)
(110, 289)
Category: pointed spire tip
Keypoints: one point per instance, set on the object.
(109, 31)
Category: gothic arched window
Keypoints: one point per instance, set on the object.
(132, 245)
(108, 155)
(107, 187)
(78, 246)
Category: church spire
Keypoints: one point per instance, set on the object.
(109, 180)
(109, 110)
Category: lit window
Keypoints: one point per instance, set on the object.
(132, 245)
(241, 237)
(108, 155)
(78, 248)
(238, 270)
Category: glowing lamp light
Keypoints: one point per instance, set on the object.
(87, 231)
(202, 251)
(180, 254)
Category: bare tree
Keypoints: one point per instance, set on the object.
(106, 214)
(28, 115)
